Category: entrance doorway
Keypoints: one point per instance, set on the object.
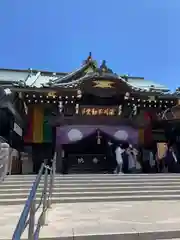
(90, 155)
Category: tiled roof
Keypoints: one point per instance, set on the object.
(37, 79)
(10, 76)
(146, 84)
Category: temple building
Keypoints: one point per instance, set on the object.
(73, 115)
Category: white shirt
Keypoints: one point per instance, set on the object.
(137, 164)
(151, 160)
(131, 159)
(174, 156)
(119, 152)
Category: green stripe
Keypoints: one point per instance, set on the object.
(47, 129)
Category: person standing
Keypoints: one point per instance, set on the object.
(171, 160)
(119, 159)
(152, 162)
(131, 159)
(109, 157)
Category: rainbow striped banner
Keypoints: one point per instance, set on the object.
(38, 130)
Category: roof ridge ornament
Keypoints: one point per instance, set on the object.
(88, 59)
(104, 68)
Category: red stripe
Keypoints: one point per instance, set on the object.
(148, 131)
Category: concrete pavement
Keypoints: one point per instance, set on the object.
(130, 220)
(105, 218)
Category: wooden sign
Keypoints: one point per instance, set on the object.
(90, 111)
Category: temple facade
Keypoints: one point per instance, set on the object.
(73, 116)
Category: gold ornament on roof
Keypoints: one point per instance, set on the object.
(51, 94)
(103, 84)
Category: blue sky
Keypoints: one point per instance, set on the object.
(138, 37)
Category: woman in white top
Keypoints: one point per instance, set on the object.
(119, 159)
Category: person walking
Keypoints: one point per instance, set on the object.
(119, 159)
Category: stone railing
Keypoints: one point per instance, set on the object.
(4, 159)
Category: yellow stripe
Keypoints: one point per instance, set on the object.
(38, 117)
(161, 150)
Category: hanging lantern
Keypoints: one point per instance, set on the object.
(60, 106)
(134, 110)
(25, 108)
(77, 108)
(120, 110)
(20, 95)
(127, 95)
(98, 137)
(95, 160)
(79, 94)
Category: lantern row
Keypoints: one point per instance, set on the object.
(144, 104)
(79, 96)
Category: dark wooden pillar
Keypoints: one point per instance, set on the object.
(59, 159)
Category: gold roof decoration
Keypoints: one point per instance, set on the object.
(51, 94)
(103, 84)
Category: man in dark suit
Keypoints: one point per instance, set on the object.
(110, 153)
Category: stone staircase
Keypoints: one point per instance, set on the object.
(99, 206)
(88, 170)
(95, 188)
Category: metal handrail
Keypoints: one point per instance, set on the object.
(27, 218)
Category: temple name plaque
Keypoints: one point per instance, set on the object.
(93, 111)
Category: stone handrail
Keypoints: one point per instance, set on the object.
(4, 159)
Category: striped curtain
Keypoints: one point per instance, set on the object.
(38, 130)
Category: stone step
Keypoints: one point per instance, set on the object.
(115, 181)
(94, 189)
(101, 176)
(156, 235)
(97, 181)
(116, 198)
(90, 194)
(90, 185)
(75, 170)
(18, 201)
